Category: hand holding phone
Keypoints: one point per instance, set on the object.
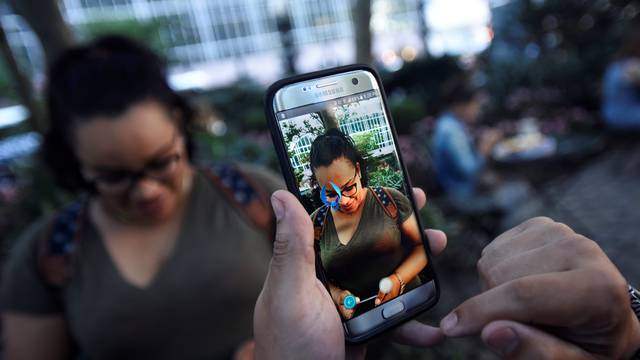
(294, 315)
(339, 155)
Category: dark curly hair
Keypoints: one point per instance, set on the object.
(332, 145)
(102, 78)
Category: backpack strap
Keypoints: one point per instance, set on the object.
(385, 200)
(57, 247)
(244, 194)
(318, 222)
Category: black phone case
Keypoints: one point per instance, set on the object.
(289, 178)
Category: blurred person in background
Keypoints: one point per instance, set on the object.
(161, 264)
(621, 85)
(460, 158)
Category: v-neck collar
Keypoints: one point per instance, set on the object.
(166, 265)
(340, 245)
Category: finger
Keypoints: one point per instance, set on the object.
(347, 313)
(293, 260)
(415, 333)
(420, 197)
(517, 341)
(550, 258)
(380, 298)
(437, 241)
(534, 233)
(547, 299)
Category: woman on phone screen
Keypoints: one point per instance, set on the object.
(366, 234)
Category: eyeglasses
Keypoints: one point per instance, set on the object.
(346, 191)
(118, 181)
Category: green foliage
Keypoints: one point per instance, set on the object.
(147, 33)
(299, 174)
(420, 82)
(386, 177)
(365, 143)
(256, 149)
(406, 111)
(241, 104)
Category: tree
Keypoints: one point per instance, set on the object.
(24, 88)
(46, 20)
(362, 30)
(559, 47)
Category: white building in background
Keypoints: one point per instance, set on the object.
(215, 42)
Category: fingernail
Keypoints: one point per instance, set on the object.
(504, 341)
(449, 323)
(377, 301)
(436, 231)
(278, 207)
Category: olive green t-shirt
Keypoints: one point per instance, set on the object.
(375, 250)
(199, 305)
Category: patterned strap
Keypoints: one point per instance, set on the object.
(58, 246)
(243, 194)
(386, 201)
(318, 222)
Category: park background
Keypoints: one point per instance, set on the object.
(536, 59)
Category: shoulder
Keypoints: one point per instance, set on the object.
(246, 188)
(259, 178)
(23, 286)
(26, 244)
(319, 215)
(448, 130)
(267, 179)
(447, 123)
(402, 202)
(397, 195)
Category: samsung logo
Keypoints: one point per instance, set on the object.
(329, 92)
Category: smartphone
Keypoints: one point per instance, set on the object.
(339, 155)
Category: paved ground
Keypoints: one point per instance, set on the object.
(601, 202)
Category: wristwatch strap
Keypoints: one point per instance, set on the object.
(634, 295)
(635, 300)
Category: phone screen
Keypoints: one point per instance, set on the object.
(347, 170)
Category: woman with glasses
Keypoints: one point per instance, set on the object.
(360, 243)
(162, 265)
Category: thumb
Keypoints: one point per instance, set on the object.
(513, 340)
(293, 253)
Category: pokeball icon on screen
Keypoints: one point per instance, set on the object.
(350, 301)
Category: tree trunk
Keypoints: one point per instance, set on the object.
(361, 14)
(45, 19)
(423, 27)
(23, 85)
(55, 36)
